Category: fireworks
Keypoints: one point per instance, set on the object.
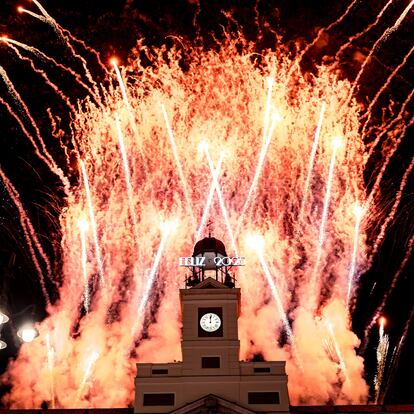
(93, 222)
(51, 366)
(336, 144)
(286, 165)
(359, 211)
(83, 228)
(382, 352)
(256, 243)
(88, 370)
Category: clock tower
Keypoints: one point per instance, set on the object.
(210, 368)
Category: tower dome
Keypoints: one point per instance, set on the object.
(209, 253)
(209, 244)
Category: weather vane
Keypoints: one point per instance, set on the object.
(209, 225)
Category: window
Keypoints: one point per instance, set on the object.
(159, 371)
(263, 398)
(159, 399)
(210, 362)
(261, 369)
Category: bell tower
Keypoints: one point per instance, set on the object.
(210, 309)
(210, 367)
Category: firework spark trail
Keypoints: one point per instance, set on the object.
(25, 111)
(311, 162)
(221, 200)
(329, 348)
(128, 183)
(58, 30)
(391, 215)
(395, 359)
(257, 244)
(371, 105)
(166, 229)
(337, 350)
(42, 56)
(394, 121)
(295, 64)
(384, 165)
(381, 328)
(51, 367)
(179, 166)
(263, 151)
(43, 10)
(380, 308)
(358, 216)
(84, 45)
(326, 339)
(130, 113)
(35, 239)
(83, 228)
(88, 370)
(92, 220)
(209, 198)
(46, 18)
(28, 232)
(375, 47)
(268, 107)
(68, 36)
(43, 74)
(382, 351)
(402, 17)
(314, 285)
(25, 132)
(366, 30)
(258, 171)
(30, 13)
(389, 379)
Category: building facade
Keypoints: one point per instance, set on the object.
(211, 372)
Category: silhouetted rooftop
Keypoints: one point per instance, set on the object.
(342, 409)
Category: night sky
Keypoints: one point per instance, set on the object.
(112, 28)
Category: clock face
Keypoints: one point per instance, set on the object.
(210, 322)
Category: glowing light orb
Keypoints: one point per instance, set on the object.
(202, 146)
(27, 333)
(83, 225)
(255, 242)
(3, 318)
(358, 211)
(276, 117)
(168, 226)
(269, 81)
(337, 142)
(114, 61)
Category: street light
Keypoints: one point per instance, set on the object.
(3, 319)
(27, 333)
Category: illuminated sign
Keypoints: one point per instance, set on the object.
(200, 261)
